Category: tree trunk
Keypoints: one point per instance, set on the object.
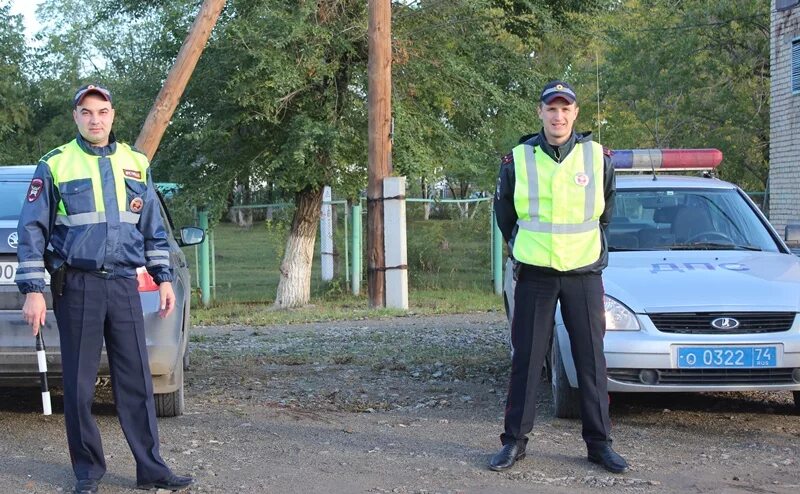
(242, 195)
(294, 287)
(246, 215)
(463, 208)
(426, 215)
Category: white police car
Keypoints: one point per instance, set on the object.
(701, 293)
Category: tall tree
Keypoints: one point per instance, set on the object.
(14, 87)
(687, 74)
(281, 94)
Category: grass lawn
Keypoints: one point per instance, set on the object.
(449, 272)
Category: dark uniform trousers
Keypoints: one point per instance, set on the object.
(535, 300)
(93, 308)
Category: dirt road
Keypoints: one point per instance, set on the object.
(403, 405)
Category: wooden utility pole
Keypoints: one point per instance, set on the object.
(169, 96)
(379, 100)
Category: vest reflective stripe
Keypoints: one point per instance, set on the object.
(94, 218)
(558, 207)
(74, 164)
(80, 219)
(128, 217)
(539, 227)
(591, 193)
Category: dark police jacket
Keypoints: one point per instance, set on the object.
(101, 214)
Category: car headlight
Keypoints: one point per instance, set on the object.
(619, 317)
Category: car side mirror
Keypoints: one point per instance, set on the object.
(792, 237)
(191, 235)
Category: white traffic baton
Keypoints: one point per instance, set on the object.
(41, 357)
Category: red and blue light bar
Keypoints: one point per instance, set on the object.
(665, 159)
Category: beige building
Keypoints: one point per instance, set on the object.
(784, 148)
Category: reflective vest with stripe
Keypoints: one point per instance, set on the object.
(80, 184)
(95, 209)
(558, 206)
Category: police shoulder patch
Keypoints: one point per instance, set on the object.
(607, 151)
(509, 158)
(35, 189)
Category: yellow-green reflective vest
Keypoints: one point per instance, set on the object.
(72, 168)
(558, 206)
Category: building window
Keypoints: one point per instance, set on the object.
(785, 4)
(796, 66)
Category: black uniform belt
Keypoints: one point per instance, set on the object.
(100, 273)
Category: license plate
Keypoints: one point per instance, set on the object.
(727, 357)
(7, 272)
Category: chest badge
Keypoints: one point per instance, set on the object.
(136, 204)
(133, 174)
(582, 179)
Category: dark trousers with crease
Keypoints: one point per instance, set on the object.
(535, 299)
(90, 310)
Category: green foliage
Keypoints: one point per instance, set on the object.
(464, 88)
(14, 87)
(685, 74)
(278, 100)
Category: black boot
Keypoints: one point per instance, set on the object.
(608, 459)
(506, 457)
(171, 483)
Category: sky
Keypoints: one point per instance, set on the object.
(28, 9)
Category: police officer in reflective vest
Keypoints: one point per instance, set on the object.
(554, 197)
(92, 216)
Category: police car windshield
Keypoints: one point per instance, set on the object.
(686, 219)
(13, 194)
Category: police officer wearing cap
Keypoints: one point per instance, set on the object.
(554, 198)
(92, 217)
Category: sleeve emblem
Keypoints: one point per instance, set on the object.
(35, 189)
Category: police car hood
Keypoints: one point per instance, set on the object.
(709, 280)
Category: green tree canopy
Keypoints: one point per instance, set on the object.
(14, 86)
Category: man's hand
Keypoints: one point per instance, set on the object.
(167, 299)
(34, 311)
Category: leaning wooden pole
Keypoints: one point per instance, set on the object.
(379, 100)
(170, 94)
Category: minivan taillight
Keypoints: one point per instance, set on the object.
(146, 283)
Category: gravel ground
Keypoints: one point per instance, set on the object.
(403, 405)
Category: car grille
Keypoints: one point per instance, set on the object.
(701, 377)
(700, 322)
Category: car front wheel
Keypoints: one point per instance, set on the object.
(171, 404)
(566, 399)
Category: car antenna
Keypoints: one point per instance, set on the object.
(652, 167)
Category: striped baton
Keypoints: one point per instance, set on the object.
(40, 355)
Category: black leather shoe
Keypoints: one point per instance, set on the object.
(608, 459)
(506, 457)
(172, 483)
(86, 486)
